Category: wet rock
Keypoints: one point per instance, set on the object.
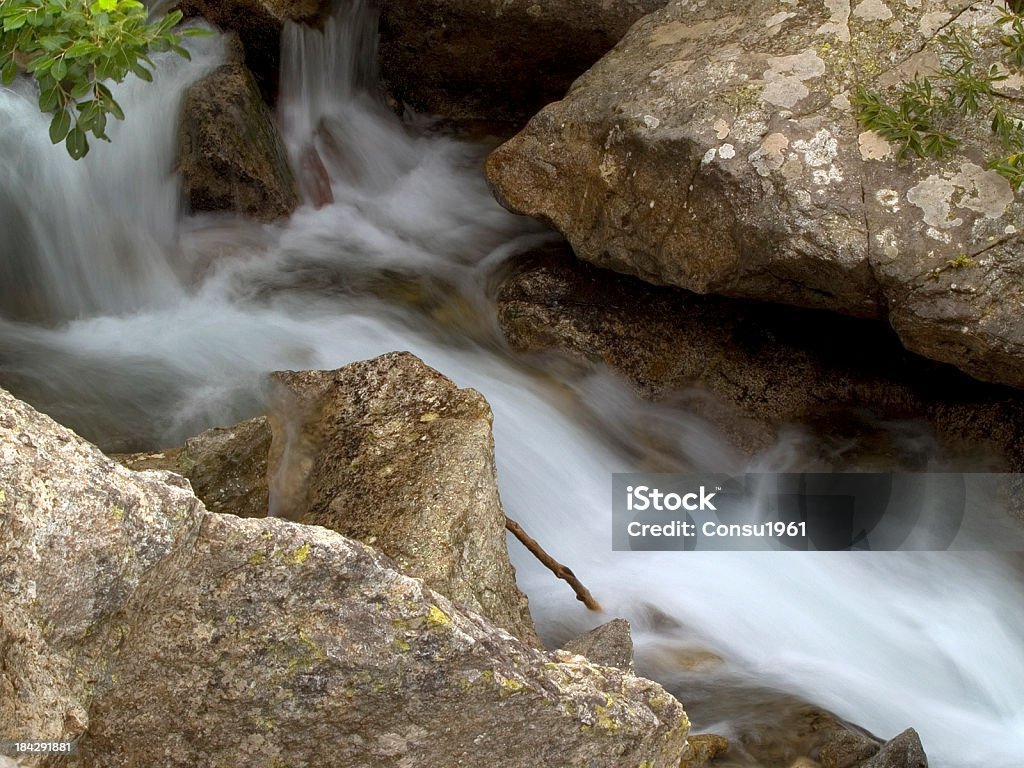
(704, 748)
(230, 154)
(227, 466)
(392, 453)
(903, 751)
(750, 367)
(610, 644)
(847, 749)
(154, 630)
(715, 149)
(498, 60)
(258, 23)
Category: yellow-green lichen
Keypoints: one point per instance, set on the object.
(257, 558)
(299, 555)
(437, 618)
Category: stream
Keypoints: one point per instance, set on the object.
(138, 326)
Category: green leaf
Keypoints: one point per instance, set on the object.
(48, 99)
(77, 144)
(143, 73)
(8, 73)
(59, 70)
(60, 126)
(12, 23)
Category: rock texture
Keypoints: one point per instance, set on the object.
(750, 368)
(159, 632)
(610, 644)
(715, 149)
(903, 751)
(226, 466)
(498, 60)
(703, 749)
(230, 154)
(847, 749)
(392, 453)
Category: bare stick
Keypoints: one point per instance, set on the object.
(566, 574)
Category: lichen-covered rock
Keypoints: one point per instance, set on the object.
(392, 453)
(498, 60)
(750, 368)
(163, 634)
(610, 644)
(79, 534)
(716, 149)
(226, 466)
(230, 154)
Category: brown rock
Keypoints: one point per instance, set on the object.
(230, 154)
(751, 367)
(498, 60)
(847, 749)
(392, 453)
(227, 466)
(702, 749)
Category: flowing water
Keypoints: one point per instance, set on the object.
(145, 326)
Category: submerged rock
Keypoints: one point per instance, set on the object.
(230, 154)
(716, 149)
(157, 632)
(704, 748)
(498, 60)
(392, 453)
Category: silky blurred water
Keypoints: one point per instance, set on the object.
(145, 326)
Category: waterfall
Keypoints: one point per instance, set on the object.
(91, 237)
(123, 351)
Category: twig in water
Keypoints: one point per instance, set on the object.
(562, 572)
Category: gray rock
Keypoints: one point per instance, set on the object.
(392, 453)
(610, 644)
(715, 149)
(230, 154)
(498, 60)
(161, 633)
(903, 751)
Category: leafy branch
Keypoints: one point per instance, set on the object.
(963, 88)
(72, 48)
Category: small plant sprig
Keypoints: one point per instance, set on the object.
(72, 47)
(925, 106)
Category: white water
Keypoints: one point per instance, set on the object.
(129, 347)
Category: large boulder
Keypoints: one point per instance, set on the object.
(498, 60)
(716, 149)
(230, 154)
(156, 632)
(752, 368)
(392, 453)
